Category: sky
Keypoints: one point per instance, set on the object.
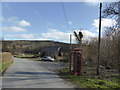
(47, 20)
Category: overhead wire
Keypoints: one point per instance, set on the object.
(65, 15)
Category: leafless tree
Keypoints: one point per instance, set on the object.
(111, 10)
(79, 37)
(111, 42)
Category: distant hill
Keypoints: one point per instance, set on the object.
(32, 46)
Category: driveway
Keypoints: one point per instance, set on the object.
(25, 73)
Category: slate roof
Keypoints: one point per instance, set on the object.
(51, 49)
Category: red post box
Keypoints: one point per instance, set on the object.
(76, 61)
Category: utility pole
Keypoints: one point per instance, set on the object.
(119, 15)
(118, 24)
(99, 39)
(118, 37)
(70, 52)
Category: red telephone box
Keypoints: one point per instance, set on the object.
(76, 61)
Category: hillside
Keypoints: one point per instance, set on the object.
(31, 46)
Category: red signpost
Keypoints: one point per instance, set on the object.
(76, 60)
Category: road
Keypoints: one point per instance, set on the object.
(25, 73)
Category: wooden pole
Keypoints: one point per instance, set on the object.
(99, 39)
(118, 37)
(119, 15)
(70, 52)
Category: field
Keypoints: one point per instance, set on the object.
(88, 79)
(5, 60)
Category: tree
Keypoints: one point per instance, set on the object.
(111, 10)
(79, 37)
(43, 54)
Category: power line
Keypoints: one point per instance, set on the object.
(66, 19)
(65, 15)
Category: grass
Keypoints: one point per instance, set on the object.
(4, 66)
(92, 81)
(6, 60)
(32, 57)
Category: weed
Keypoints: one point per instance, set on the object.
(91, 81)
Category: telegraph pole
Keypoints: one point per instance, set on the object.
(119, 15)
(70, 52)
(99, 39)
(118, 37)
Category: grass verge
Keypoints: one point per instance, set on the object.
(92, 81)
(4, 66)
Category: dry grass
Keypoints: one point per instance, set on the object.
(5, 60)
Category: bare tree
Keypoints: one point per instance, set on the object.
(79, 37)
(109, 31)
(111, 10)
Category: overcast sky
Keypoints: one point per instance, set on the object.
(46, 20)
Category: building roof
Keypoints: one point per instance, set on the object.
(51, 49)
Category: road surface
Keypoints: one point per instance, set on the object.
(25, 73)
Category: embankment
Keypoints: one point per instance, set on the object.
(6, 59)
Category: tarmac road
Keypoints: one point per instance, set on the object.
(25, 73)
